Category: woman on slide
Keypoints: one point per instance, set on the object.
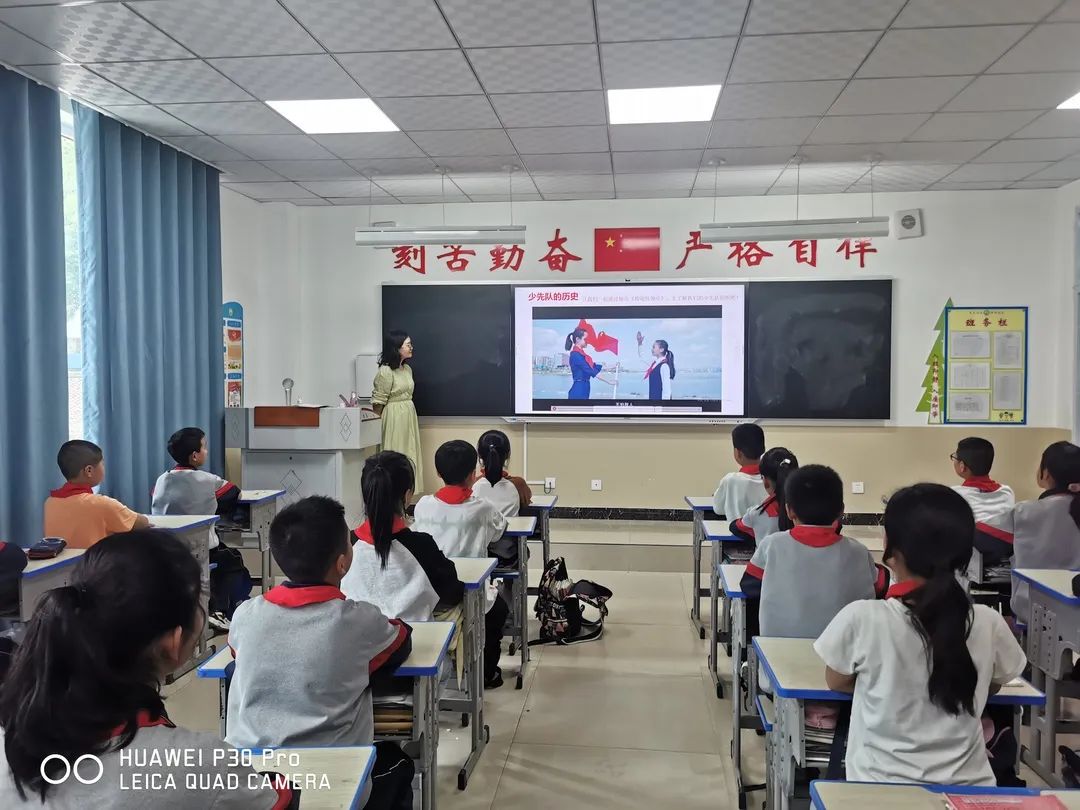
(662, 371)
(392, 399)
(582, 367)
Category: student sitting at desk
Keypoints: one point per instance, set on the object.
(1046, 532)
(400, 571)
(464, 526)
(922, 663)
(743, 489)
(75, 512)
(991, 502)
(771, 514)
(508, 493)
(86, 681)
(335, 647)
(805, 575)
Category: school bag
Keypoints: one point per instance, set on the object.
(559, 603)
(230, 581)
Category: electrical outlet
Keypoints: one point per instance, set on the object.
(858, 488)
(597, 485)
(549, 483)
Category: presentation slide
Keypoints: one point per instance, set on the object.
(630, 350)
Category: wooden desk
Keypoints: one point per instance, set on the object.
(521, 528)
(345, 768)
(474, 573)
(544, 504)
(860, 795)
(701, 506)
(40, 576)
(263, 507)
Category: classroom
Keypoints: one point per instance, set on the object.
(404, 401)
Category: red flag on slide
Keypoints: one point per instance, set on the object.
(626, 249)
(601, 342)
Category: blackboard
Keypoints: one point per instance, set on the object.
(463, 341)
(819, 349)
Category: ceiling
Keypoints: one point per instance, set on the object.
(945, 94)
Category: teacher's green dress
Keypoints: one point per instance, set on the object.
(393, 389)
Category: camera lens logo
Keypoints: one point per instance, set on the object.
(82, 769)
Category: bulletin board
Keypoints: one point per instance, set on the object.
(232, 334)
(986, 357)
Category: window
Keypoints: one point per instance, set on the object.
(76, 429)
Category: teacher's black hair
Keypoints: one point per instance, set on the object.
(577, 333)
(391, 348)
(90, 661)
(669, 354)
(1061, 461)
(386, 481)
(494, 450)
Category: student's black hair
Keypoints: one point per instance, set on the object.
(1061, 461)
(493, 449)
(749, 439)
(391, 348)
(670, 356)
(977, 454)
(577, 333)
(933, 528)
(307, 536)
(455, 461)
(185, 442)
(75, 455)
(815, 494)
(386, 480)
(87, 665)
(777, 464)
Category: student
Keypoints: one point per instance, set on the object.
(991, 502)
(813, 571)
(1047, 531)
(464, 526)
(322, 697)
(741, 490)
(187, 489)
(86, 681)
(401, 572)
(508, 492)
(771, 514)
(923, 662)
(74, 512)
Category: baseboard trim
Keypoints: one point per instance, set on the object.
(637, 513)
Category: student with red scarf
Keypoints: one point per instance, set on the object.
(582, 367)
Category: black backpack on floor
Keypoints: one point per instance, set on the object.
(558, 606)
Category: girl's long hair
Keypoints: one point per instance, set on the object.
(391, 348)
(577, 333)
(1061, 461)
(670, 356)
(493, 449)
(87, 666)
(933, 529)
(777, 464)
(387, 478)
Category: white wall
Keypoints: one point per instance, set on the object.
(312, 298)
(1066, 219)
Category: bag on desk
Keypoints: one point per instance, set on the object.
(559, 606)
(46, 548)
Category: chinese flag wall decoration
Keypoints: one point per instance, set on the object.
(626, 249)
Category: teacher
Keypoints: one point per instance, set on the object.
(392, 399)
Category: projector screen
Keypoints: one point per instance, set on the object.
(630, 350)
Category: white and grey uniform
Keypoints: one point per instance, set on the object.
(504, 496)
(992, 504)
(1044, 536)
(738, 492)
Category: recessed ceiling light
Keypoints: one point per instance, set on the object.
(1071, 103)
(662, 105)
(335, 115)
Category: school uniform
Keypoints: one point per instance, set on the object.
(153, 753)
(417, 576)
(1044, 536)
(82, 517)
(897, 734)
(739, 491)
(759, 521)
(659, 377)
(509, 494)
(582, 370)
(992, 504)
(320, 695)
(188, 491)
(812, 572)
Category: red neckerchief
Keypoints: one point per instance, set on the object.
(69, 489)
(181, 467)
(751, 469)
(454, 494)
(815, 536)
(363, 531)
(284, 596)
(901, 589)
(505, 474)
(653, 367)
(142, 720)
(770, 507)
(588, 359)
(983, 483)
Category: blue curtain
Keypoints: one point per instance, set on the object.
(150, 238)
(33, 337)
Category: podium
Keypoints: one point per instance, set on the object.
(305, 451)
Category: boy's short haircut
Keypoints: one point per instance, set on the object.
(977, 454)
(75, 455)
(815, 494)
(455, 461)
(307, 536)
(749, 439)
(185, 442)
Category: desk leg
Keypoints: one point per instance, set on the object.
(545, 533)
(699, 535)
(473, 649)
(198, 541)
(523, 607)
(262, 515)
(714, 630)
(223, 705)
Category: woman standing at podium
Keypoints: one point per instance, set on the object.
(392, 399)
